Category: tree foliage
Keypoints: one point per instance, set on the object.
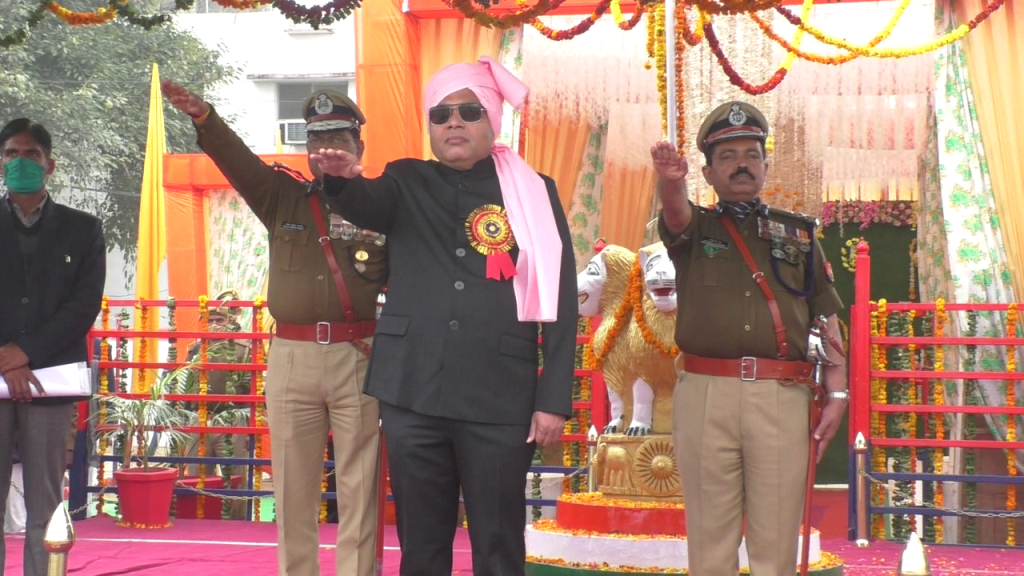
(90, 85)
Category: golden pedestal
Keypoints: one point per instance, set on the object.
(638, 468)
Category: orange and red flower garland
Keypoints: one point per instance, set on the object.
(1012, 318)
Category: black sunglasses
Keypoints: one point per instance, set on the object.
(470, 113)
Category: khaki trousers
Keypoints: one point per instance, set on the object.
(742, 449)
(312, 387)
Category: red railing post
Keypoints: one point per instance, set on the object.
(598, 392)
(860, 346)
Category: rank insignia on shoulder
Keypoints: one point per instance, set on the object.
(289, 171)
(795, 215)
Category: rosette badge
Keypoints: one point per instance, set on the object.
(490, 234)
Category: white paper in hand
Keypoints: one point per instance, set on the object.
(65, 380)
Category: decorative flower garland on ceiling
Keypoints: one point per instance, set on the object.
(704, 29)
(476, 10)
(523, 15)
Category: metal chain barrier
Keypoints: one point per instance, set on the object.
(895, 493)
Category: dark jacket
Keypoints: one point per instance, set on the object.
(449, 342)
(49, 304)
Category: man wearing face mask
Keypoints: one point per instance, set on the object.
(742, 405)
(52, 272)
(324, 280)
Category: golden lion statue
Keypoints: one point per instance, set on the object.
(634, 294)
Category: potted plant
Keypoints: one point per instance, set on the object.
(219, 415)
(144, 491)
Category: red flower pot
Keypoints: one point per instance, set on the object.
(145, 497)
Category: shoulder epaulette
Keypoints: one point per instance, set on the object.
(289, 171)
(795, 215)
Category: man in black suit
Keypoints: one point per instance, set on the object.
(52, 271)
(481, 265)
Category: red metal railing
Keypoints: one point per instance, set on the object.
(914, 430)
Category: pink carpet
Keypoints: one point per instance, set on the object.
(222, 547)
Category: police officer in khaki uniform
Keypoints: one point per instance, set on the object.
(324, 303)
(740, 417)
(222, 319)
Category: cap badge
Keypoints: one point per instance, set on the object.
(737, 117)
(323, 104)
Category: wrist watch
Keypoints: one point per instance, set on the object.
(843, 395)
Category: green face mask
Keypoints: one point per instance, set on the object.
(23, 176)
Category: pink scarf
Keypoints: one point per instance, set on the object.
(522, 189)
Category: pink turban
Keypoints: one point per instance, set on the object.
(522, 189)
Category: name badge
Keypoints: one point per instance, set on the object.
(712, 246)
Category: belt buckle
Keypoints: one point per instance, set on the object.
(748, 368)
(323, 328)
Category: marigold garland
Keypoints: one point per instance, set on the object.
(204, 389)
(621, 319)
(879, 323)
(242, 4)
(660, 62)
(635, 294)
(141, 374)
(828, 560)
(139, 526)
(680, 51)
(1012, 319)
(104, 390)
(733, 7)
(520, 17)
(945, 40)
(970, 456)
(258, 409)
(865, 213)
(734, 76)
(99, 16)
(599, 499)
(777, 77)
(691, 37)
(899, 425)
(316, 16)
(621, 21)
(574, 31)
(939, 399)
(793, 51)
(323, 488)
(652, 36)
(911, 417)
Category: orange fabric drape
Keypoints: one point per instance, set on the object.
(449, 41)
(995, 65)
(186, 256)
(387, 83)
(626, 205)
(554, 146)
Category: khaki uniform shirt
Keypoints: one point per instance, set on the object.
(301, 289)
(722, 312)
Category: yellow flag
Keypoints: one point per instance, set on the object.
(152, 247)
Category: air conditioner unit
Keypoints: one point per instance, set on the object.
(292, 131)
